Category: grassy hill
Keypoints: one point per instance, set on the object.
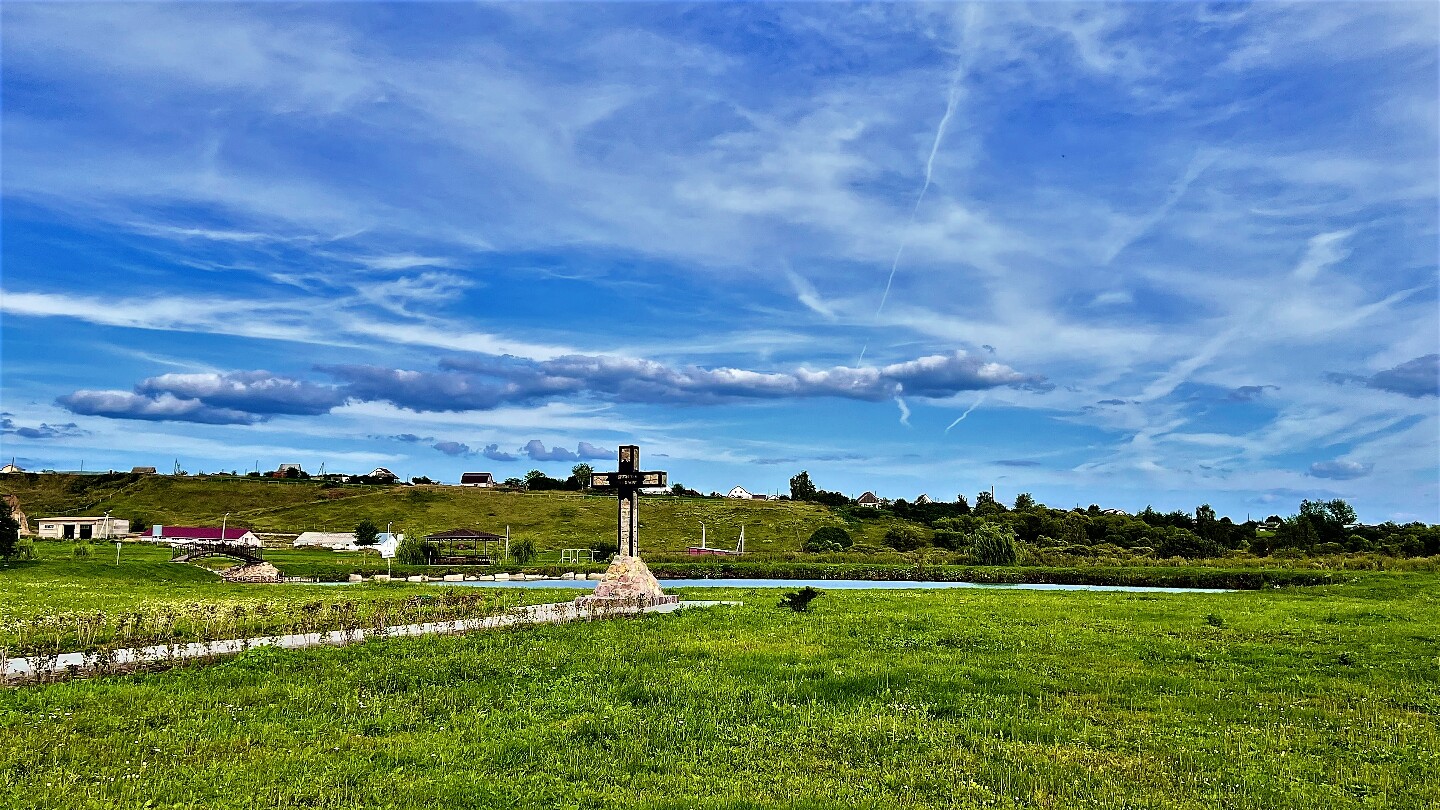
(552, 520)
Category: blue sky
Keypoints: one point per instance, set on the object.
(1131, 254)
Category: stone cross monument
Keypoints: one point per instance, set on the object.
(626, 482)
(628, 581)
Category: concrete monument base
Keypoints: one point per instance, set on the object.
(627, 581)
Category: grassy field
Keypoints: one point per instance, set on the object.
(1299, 698)
(61, 604)
(551, 520)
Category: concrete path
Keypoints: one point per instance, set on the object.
(79, 664)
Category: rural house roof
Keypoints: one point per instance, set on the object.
(143, 470)
(381, 472)
(477, 478)
(200, 532)
(868, 497)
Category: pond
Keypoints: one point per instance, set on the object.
(838, 585)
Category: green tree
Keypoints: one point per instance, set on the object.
(1024, 501)
(532, 476)
(1328, 518)
(366, 533)
(986, 505)
(828, 538)
(962, 505)
(582, 473)
(994, 545)
(1211, 530)
(9, 531)
(801, 488)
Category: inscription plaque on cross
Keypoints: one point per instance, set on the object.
(626, 483)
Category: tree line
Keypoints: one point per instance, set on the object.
(1318, 528)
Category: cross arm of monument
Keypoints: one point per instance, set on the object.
(617, 480)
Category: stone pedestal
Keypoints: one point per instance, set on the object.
(627, 581)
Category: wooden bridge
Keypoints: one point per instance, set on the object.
(189, 552)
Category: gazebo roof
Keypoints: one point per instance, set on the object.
(463, 534)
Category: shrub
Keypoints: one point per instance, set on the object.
(994, 545)
(799, 601)
(523, 551)
(81, 551)
(828, 538)
(413, 551)
(9, 531)
(949, 539)
(904, 538)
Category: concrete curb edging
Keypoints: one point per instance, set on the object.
(76, 664)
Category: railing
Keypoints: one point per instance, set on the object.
(185, 552)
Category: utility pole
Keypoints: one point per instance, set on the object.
(223, 522)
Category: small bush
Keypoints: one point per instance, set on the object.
(904, 538)
(523, 551)
(799, 601)
(81, 551)
(1214, 620)
(414, 551)
(828, 538)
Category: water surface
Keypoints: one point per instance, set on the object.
(840, 585)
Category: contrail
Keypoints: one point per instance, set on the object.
(950, 103)
(966, 413)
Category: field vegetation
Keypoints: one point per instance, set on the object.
(1323, 697)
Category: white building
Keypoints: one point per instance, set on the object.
(739, 492)
(335, 541)
(868, 499)
(477, 479)
(83, 528)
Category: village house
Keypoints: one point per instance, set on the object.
(175, 535)
(382, 474)
(142, 470)
(477, 479)
(868, 499)
(11, 468)
(82, 528)
(923, 499)
(739, 492)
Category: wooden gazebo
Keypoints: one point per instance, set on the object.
(466, 547)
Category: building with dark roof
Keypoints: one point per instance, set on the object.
(477, 479)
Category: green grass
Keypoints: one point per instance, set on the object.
(63, 604)
(1301, 698)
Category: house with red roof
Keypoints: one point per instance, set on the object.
(175, 535)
